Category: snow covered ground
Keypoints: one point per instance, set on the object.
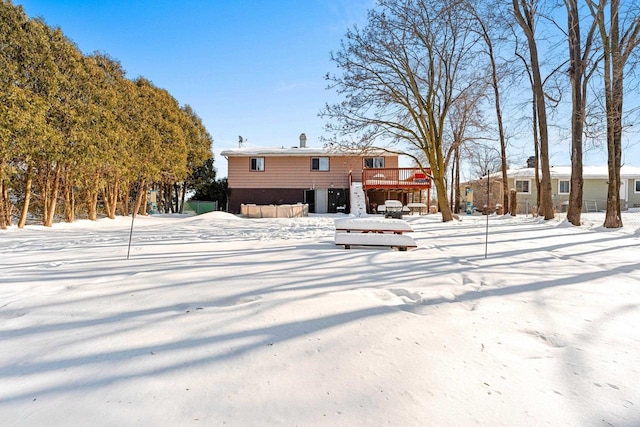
(218, 320)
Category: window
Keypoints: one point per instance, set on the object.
(637, 185)
(374, 162)
(563, 187)
(319, 163)
(522, 186)
(257, 163)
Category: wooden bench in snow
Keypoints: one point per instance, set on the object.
(372, 225)
(400, 241)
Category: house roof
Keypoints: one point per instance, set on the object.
(297, 151)
(588, 172)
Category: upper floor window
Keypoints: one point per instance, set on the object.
(319, 163)
(563, 187)
(522, 186)
(374, 162)
(257, 164)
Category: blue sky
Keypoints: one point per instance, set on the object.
(250, 68)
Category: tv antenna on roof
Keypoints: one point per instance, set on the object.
(240, 141)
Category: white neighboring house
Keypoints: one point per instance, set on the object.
(595, 187)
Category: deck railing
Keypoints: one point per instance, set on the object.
(396, 178)
(401, 178)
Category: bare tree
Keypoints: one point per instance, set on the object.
(488, 20)
(580, 71)
(400, 77)
(534, 128)
(483, 158)
(526, 13)
(464, 118)
(618, 43)
(454, 194)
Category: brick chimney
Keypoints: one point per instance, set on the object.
(531, 162)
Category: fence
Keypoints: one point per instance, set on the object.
(274, 211)
(525, 206)
(199, 207)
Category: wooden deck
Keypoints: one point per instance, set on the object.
(396, 178)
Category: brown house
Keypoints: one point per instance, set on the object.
(319, 177)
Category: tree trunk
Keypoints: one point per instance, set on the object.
(576, 75)
(124, 195)
(452, 186)
(176, 190)
(183, 196)
(613, 75)
(111, 197)
(92, 204)
(456, 182)
(168, 197)
(44, 181)
(613, 216)
(503, 142)
(505, 178)
(91, 195)
(546, 202)
(114, 198)
(106, 200)
(536, 155)
(69, 199)
(52, 201)
(27, 197)
(126, 198)
(141, 194)
(513, 208)
(4, 201)
(441, 192)
(160, 197)
(5, 204)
